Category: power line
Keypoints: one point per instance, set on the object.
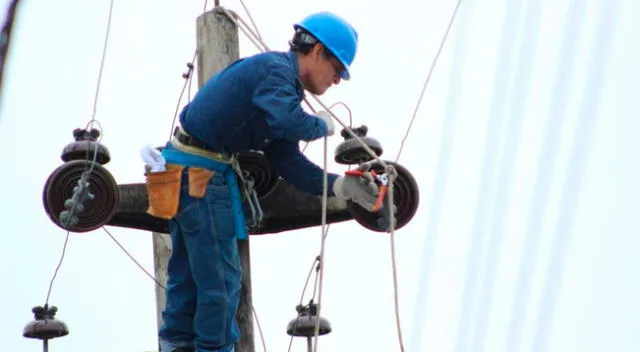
(102, 60)
(255, 27)
(255, 315)
(152, 277)
(504, 174)
(134, 259)
(83, 182)
(546, 165)
(325, 191)
(497, 116)
(188, 76)
(600, 58)
(316, 264)
(438, 187)
(187, 83)
(55, 272)
(426, 81)
(5, 36)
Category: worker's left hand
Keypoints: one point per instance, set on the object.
(328, 119)
(361, 190)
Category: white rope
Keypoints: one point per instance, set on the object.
(322, 242)
(255, 315)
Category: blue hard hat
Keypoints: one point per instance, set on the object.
(334, 33)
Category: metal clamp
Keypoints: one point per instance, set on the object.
(257, 214)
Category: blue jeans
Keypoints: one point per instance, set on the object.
(204, 272)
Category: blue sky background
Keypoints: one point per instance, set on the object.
(524, 148)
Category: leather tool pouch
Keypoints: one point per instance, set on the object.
(198, 180)
(163, 189)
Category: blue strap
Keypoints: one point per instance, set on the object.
(172, 155)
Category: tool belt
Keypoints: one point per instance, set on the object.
(163, 188)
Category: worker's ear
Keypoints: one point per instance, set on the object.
(317, 51)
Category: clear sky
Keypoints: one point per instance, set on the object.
(524, 149)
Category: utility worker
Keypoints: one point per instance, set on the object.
(253, 104)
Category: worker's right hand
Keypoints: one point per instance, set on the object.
(359, 189)
(327, 118)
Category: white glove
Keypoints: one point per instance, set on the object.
(328, 119)
(361, 190)
(153, 159)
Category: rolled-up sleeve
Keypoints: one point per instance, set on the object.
(295, 168)
(276, 96)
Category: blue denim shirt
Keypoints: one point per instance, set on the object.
(254, 103)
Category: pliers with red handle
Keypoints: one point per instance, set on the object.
(383, 185)
(380, 205)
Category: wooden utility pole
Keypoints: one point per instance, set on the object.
(5, 36)
(218, 46)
